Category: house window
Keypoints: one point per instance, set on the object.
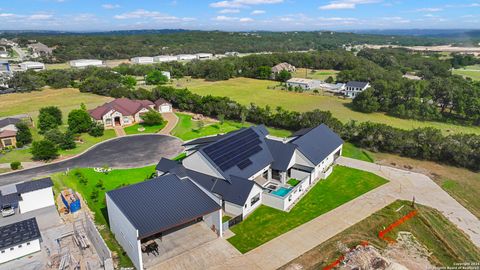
(108, 121)
(11, 249)
(7, 142)
(28, 243)
(3, 251)
(19, 246)
(245, 206)
(255, 199)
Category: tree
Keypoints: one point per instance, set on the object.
(264, 72)
(129, 81)
(330, 80)
(54, 135)
(155, 77)
(79, 121)
(366, 102)
(68, 141)
(44, 150)
(24, 136)
(283, 76)
(152, 118)
(96, 130)
(49, 118)
(26, 81)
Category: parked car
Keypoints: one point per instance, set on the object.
(7, 210)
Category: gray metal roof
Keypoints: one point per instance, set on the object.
(34, 185)
(301, 132)
(282, 153)
(258, 160)
(318, 143)
(162, 203)
(8, 121)
(165, 164)
(356, 84)
(11, 198)
(18, 233)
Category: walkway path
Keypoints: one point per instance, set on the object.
(279, 251)
(172, 121)
(119, 131)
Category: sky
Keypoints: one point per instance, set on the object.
(238, 15)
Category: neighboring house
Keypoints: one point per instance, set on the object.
(333, 87)
(353, 88)
(142, 60)
(125, 112)
(32, 65)
(82, 63)
(233, 173)
(29, 196)
(165, 58)
(3, 53)
(305, 84)
(204, 56)
(163, 106)
(167, 74)
(231, 53)
(4, 66)
(8, 132)
(150, 210)
(19, 239)
(40, 49)
(186, 57)
(283, 66)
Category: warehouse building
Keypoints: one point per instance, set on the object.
(81, 63)
(142, 60)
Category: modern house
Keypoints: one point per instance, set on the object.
(164, 58)
(233, 173)
(353, 88)
(31, 65)
(19, 239)
(82, 63)
(142, 60)
(28, 196)
(283, 66)
(8, 132)
(125, 112)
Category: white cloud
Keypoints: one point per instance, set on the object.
(155, 15)
(229, 11)
(242, 3)
(429, 9)
(40, 17)
(4, 15)
(223, 18)
(257, 12)
(110, 6)
(246, 19)
(346, 4)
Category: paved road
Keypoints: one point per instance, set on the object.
(124, 152)
(281, 250)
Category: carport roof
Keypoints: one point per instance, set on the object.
(34, 185)
(162, 203)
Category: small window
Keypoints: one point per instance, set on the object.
(11, 248)
(19, 246)
(3, 251)
(245, 206)
(28, 243)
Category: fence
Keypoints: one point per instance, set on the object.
(97, 241)
(232, 222)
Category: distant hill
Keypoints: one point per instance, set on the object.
(438, 33)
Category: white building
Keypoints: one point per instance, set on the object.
(28, 196)
(353, 88)
(167, 74)
(186, 57)
(31, 65)
(81, 63)
(204, 55)
(3, 52)
(305, 84)
(19, 239)
(165, 58)
(142, 60)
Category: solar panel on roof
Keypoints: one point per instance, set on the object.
(243, 164)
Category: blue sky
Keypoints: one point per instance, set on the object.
(237, 15)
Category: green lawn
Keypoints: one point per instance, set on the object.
(262, 92)
(266, 223)
(293, 182)
(472, 72)
(148, 129)
(187, 129)
(322, 74)
(113, 180)
(351, 151)
(447, 244)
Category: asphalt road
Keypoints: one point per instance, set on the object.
(124, 152)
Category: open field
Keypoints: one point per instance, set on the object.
(472, 72)
(461, 184)
(351, 151)
(187, 129)
(447, 244)
(246, 91)
(113, 180)
(321, 74)
(266, 223)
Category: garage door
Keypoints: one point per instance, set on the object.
(165, 108)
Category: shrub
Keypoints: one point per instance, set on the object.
(79, 121)
(48, 118)
(15, 165)
(68, 141)
(44, 150)
(152, 118)
(24, 136)
(54, 135)
(96, 130)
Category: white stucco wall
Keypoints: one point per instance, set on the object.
(125, 233)
(247, 208)
(233, 209)
(19, 250)
(165, 108)
(257, 174)
(197, 162)
(11, 127)
(36, 199)
(215, 219)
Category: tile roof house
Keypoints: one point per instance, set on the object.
(125, 112)
(233, 173)
(283, 66)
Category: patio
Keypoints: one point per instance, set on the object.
(178, 242)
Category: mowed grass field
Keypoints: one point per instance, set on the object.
(321, 74)
(261, 92)
(472, 72)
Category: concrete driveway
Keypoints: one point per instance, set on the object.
(124, 152)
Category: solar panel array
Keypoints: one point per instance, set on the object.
(235, 150)
(18, 233)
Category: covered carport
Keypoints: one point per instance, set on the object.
(161, 218)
